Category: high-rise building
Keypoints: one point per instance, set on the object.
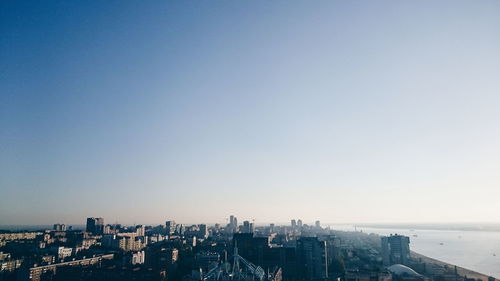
(169, 227)
(247, 228)
(317, 224)
(332, 247)
(90, 226)
(395, 250)
(203, 231)
(95, 225)
(99, 225)
(258, 251)
(312, 256)
(180, 229)
(233, 224)
(294, 224)
(250, 247)
(299, 223)
(140, 230)
(271, 228)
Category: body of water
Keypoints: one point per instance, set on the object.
(475, 250)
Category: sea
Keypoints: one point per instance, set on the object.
(475, 250)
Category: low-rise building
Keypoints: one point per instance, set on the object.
(36, 272)
(10, 265)
(63, 252)
(19, 236)
(134, 258)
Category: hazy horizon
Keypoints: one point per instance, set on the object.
(336, 111)
(486, 226)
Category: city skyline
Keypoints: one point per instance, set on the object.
(270, 110)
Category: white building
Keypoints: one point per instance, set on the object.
(63, 252)
(137, 258)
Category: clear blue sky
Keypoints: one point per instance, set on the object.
(343, 111)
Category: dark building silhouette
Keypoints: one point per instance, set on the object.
(396, 250)
(95, 225)
(312, 257)
(258, 251)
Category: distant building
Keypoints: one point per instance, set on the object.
(233, 224)
(8, 264)
(134, 258)
(317, 224)
(59, 227)
(203, 233)
(4, 256)
(396, 250)
(247, 227)
(158, 256)
(19, 236)
(312, 256)
(95, 225)
(129, 243)
(47, 259)
(170, 227)
(124, 241)
(63, 252)
(271, 228)
(294, 224)
(35, 273)
(107, 229)
(140, 230)
(180, 229)
(299, 223)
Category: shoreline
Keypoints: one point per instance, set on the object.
(466, 263)
(460, 270)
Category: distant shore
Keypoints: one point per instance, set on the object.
(489, 227)
(460, 270)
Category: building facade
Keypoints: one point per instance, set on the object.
(95, 225)
(312, 256)
(395, 250)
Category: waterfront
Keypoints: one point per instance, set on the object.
(475, 250)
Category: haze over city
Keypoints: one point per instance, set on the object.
(385, 111)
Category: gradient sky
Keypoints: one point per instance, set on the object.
(343, 111)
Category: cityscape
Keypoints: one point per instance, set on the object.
(235, 251)
(250, 140)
